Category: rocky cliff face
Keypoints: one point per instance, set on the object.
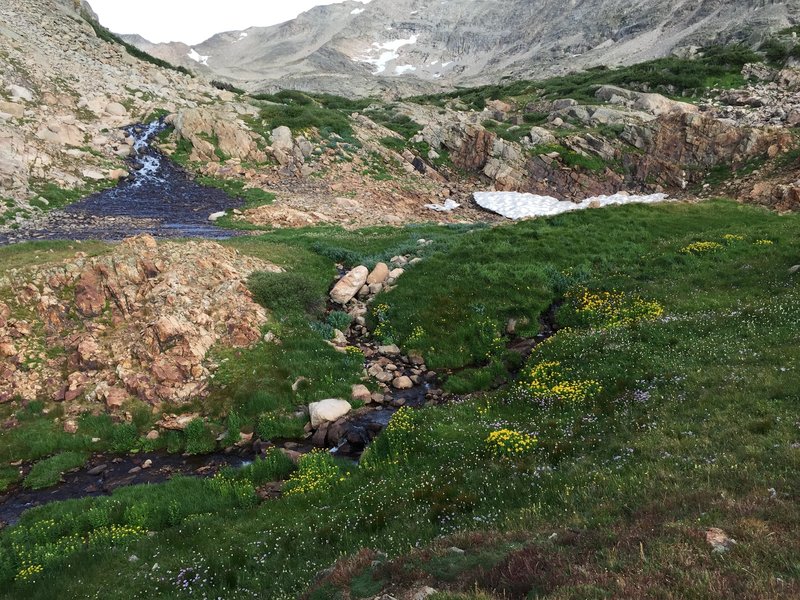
(403, 46)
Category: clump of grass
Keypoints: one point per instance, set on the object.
(48, 472)
(285, 291)
(199, 439)
(253, 197)
(273, 426)
(8, 477)
(573, 159)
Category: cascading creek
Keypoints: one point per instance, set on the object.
(147, 157)
(159, 198)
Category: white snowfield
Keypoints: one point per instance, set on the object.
(515, 205)
(197, 57)
(387, 52)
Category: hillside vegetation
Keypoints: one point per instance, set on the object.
(663, 407)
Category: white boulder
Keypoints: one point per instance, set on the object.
(328, 410)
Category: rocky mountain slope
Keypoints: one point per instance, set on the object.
(65, 94)
(403, 46)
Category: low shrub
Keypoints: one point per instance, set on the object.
(275, 466)
(199, 440)
(339, 320)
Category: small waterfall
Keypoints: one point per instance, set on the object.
(159, 198)
(148, 159)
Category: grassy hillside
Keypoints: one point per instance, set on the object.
(664, 406)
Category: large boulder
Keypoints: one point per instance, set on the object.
(232, 136)
(61, 133)
(379, 274)
(327, 411)
(282, 139)
(347, 287)
(657, 105)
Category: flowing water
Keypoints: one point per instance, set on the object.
(158, 198)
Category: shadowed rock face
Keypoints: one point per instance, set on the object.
(402, 46)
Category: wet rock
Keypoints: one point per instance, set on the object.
(320, 437)
(97, 470)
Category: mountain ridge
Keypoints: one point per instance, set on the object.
(401, 47)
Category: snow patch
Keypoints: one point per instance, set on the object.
(401, 69)
(515, 205)
(357, 11)
(195, 56)
(386, 53)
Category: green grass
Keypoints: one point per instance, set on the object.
(301, 113)
(30, 254)
(48, 472)
(690, 423)
(8, 477)
(253, 197)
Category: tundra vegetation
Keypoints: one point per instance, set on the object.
(659, 417)
(663, 406)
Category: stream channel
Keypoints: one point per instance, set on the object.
(158, 198)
